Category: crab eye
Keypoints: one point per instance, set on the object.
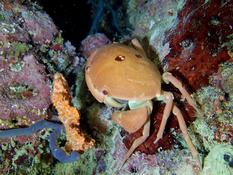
(120, 58)
(105, 92)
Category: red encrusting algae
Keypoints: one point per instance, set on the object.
(197, 42)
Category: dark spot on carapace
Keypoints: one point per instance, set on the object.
(120, 58)
(105, 92)
(137, 55)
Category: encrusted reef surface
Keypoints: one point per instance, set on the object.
(24, 87)
(193, 40)
(31, 50)
(186, 35)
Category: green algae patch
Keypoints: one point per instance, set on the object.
(17, 67)
(227, 75)
(185, 169)
(19, 48)
(229, 45)
(30, 157)
(85, 165)
(21, 91)
(207, 97)
(206, 133)
(2, 17)
(80, 91)
(16, 122)
(214, 162)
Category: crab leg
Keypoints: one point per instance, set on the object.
(168, 77)
(138, 141)
(137, 45)
(176, 111)
(168, 99)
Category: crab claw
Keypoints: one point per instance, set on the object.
(131, 120)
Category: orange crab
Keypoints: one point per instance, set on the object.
(120, 75)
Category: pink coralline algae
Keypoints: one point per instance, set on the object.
(9, 30)
(92, 42)
(24, 86)
(138, 163)
(20, 23)
(39, 25)
(23, 93)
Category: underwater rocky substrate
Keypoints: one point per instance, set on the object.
(192, 40)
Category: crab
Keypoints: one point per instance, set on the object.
(119, 75)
